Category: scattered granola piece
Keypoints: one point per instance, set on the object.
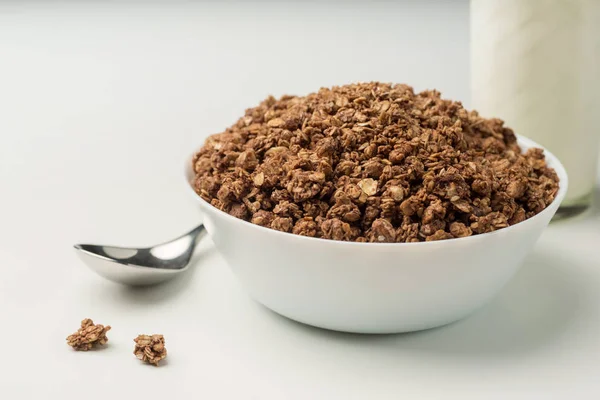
(150, 349)
(88, 335)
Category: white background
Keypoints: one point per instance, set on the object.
(99, 107)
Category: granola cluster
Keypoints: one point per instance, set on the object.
(150, 348)
(372, 162)
(88, 335)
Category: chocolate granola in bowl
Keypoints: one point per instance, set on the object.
(372, 162)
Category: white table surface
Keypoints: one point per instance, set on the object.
(99, 106)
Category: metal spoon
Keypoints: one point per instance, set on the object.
(144, 266)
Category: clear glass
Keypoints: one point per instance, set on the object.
(536, 66)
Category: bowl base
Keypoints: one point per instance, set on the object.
(369, 330)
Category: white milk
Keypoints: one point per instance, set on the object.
(535, 64)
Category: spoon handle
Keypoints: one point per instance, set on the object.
(196, 234)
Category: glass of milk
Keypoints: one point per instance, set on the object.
(536, 65)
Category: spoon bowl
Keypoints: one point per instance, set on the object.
(144, 266)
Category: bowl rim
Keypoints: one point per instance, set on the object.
(523, 142)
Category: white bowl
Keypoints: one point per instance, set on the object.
(374, 287)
